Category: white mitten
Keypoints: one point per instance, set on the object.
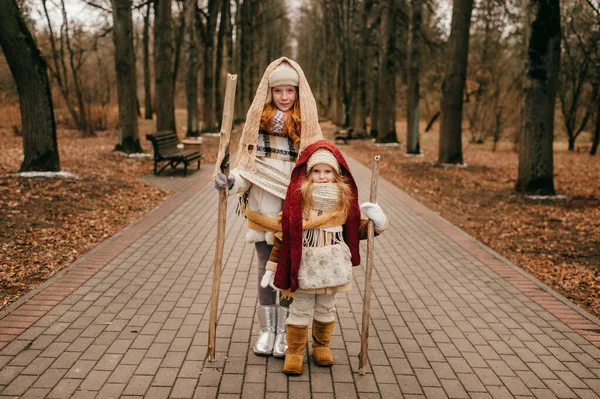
(374, 212)
(269, 280)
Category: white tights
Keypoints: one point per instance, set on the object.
(301, 309)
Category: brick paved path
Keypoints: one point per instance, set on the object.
(450, 317)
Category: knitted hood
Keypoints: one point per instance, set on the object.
(310, 128)
(291, 250)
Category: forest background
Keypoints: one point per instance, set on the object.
(487, 111)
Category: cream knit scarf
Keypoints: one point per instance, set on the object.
(325, 196)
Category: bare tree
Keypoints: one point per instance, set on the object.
(537, 113)
(596, 139)
(129, 141)
(163, 66)
(29, 70)
(361, 62)
(179, 39)
(385, 131)
(68, 77)
(146, 49)
(450, 148)
(575, 86)
(412, 91)
(210, 121)
(224, 56)
(191, 80)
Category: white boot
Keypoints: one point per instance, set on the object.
(280, 343)
(267, 318)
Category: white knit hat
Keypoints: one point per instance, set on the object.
(284, 74)
(322, 155)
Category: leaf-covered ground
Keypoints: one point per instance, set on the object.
(556, 240)
(47, 223)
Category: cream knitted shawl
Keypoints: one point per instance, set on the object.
(310, 129)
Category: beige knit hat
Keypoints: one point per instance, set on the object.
(322, 155)
(284, 74)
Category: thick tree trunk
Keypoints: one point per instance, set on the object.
(208, 92)
(374, 94)
(29, 70)
(178, 45)
(237, 64)
(163, 66)
(412, 90)
(129, 141)
(146, 44)
(450, 148)
(360, 66)
(537, 113)
(596, 139)
(223, 56)
(191, 78)
(386, 123)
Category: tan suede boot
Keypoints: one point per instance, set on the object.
(321, 334)
(296, 337)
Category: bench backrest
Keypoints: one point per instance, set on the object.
(164, 141)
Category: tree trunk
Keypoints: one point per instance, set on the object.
(84, 119)
(208, 92)
(223, 56)
(178, 45)
(129, 141)
(450, 148)
(597, 129)
(146, 44)
(386, 123)
(537, 113)
(412, 90)
(163, 66)
(29, 70)
(191, 79)
(360, 66)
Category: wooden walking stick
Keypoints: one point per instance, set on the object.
(366, 316)
(222, 165)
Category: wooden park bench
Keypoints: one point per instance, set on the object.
(166, 150)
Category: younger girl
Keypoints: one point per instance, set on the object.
(321, 225)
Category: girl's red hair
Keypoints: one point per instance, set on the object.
(291, 122)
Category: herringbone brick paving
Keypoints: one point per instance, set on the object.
(450, 318)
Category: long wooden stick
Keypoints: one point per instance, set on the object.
(221, 165)
(366, 316)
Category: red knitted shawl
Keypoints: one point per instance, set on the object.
(290, 254)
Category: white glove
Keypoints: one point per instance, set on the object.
(269, 280)
(221, 181)
(374, 212)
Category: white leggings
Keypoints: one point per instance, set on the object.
(301, 309)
